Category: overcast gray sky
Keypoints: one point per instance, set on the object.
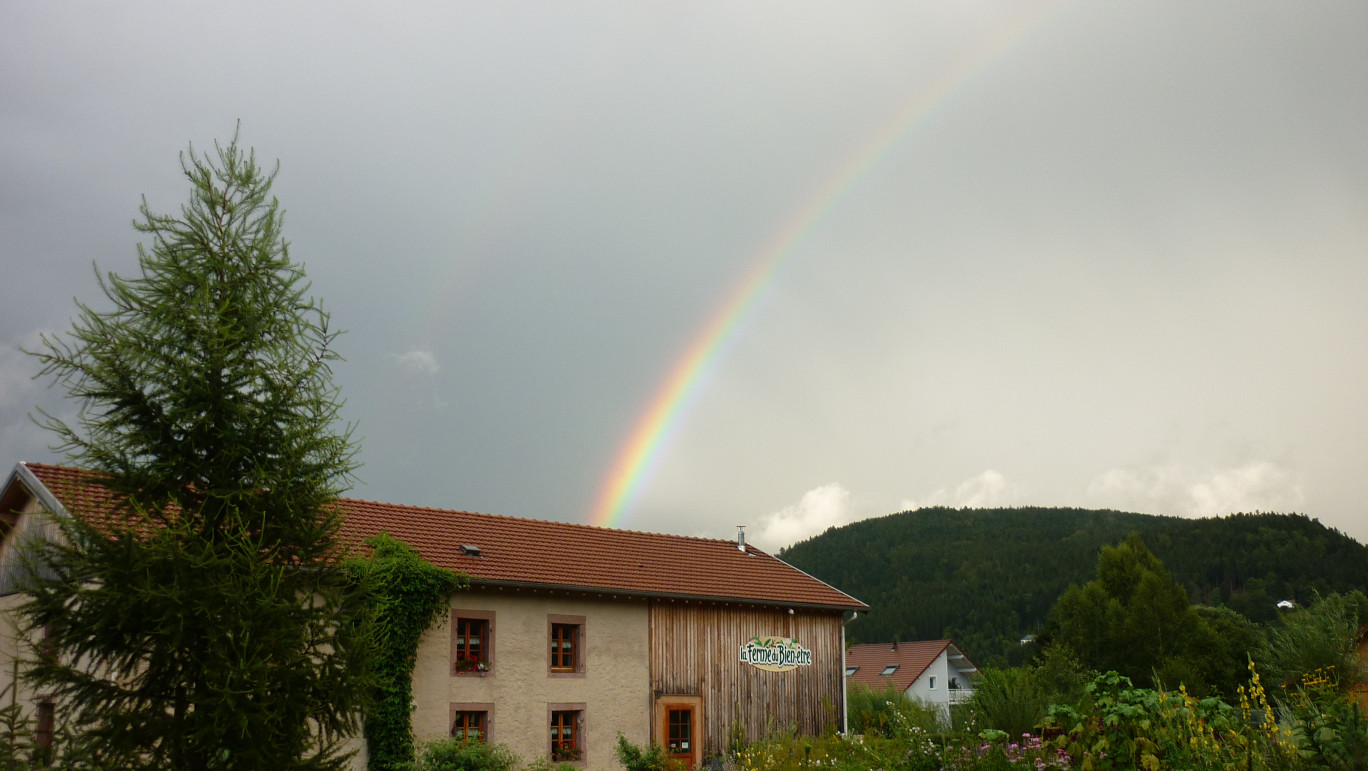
(1083, 254)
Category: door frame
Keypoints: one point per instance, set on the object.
(660, 724)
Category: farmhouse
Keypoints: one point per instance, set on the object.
(570, 634)
(933, 672)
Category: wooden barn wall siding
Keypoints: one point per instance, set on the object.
(694, 652)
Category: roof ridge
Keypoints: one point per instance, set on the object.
(446, 510)
(595, 528)
(516, 551)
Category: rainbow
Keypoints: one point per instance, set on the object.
(640, 454)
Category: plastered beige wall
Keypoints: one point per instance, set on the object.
(11, 650)
(615, 688)
(12, 647)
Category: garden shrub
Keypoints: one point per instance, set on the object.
(1322, 637)
(652, 758)
(1119, 726)
(886, 712)
(1328, 729)
(464, 755)
(1008, 700)
(1060, 675)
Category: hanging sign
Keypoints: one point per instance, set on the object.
(775, 654)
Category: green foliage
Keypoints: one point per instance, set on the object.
(887, 712)
(736, 734)
(1113, 725)
(1320, 638)
(205, 404)
(18, 751)
(917, 751)
(1119, 726)
(652, 758)
(1132, 618)
(1060, 675)
(1329, 729)
(1016, 700)
(1224, 643)
(1135, 619)
(987, 577)
(1008, 700)
(405, 594)
(460, 755)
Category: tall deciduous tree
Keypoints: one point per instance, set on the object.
(1135, 619)
(202, 623)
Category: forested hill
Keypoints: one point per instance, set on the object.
(986, 577)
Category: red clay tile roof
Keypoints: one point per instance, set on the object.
(912, 659)
(531, 552)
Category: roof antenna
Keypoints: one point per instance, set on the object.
(741, 537)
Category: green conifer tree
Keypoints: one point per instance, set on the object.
(202, 623)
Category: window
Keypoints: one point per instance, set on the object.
(566, 739)
(679, 733)
(42, 732)
(472, 720)
(469, 724)
(890, 669)
(851, 670)
(565, 645)
(933, 682)
(472, 642)
(47, 647)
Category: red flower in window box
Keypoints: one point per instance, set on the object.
(564, 754)
(470, 663)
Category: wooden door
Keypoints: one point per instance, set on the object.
(678, 728)
(679, 733)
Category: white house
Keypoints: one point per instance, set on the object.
(933, 672)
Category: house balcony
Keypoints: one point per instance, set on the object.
(960, 695)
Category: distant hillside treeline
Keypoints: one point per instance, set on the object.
(986, 577)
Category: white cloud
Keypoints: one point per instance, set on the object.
(418, 361)
(987, 490)
(1174, 489)
(820, 508)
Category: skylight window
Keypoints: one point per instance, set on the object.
(851, 670)
(890, 669)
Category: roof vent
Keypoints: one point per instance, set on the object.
(470, 551)
(741, 537)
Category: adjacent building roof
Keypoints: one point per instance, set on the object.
(530, 553)
(909, 660)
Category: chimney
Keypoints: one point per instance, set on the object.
(741, 537)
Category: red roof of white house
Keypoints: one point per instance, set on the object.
(537, 553)
(910, 659)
